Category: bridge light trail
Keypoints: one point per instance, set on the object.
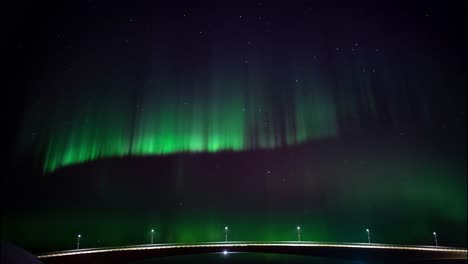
(152, 233)
(435, 239)
(240, 246)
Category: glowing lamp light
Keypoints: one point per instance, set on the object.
(225, 233)
(368, 235)
(78, 241)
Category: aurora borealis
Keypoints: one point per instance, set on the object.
(230, 115)
(188, 117)
(208, 90)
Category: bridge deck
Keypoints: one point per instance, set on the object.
(347, 251)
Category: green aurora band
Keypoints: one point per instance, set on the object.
(228, 116)
(168, 126)
(217, 102)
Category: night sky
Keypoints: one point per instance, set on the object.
(185, 118)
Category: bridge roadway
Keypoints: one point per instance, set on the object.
(348, 251)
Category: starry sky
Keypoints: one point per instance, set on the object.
(188, 117)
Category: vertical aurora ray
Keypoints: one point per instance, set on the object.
(314, 113)
(194, 121)
(87, 129)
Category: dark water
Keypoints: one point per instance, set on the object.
(242, 257)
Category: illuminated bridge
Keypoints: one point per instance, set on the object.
(350, 251)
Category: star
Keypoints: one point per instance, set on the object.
(268, 171)
(297, 81)
(355, 44)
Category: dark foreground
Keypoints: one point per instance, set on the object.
(241, 257)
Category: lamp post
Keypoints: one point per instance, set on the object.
(152, 234)
(368, 235)
(435, 239)
(78, 241)
(225, 233)
(298, 233)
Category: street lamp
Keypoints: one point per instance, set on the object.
(152, 233)
(368, 235)
(435, 239)
(298, 233)
(78, 241)
(225, 233)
